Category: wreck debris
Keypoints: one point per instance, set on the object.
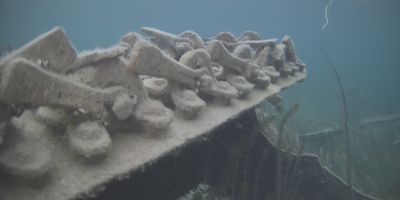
(249, 35)
(275, 100)
(256, 44)
(289, 51)
(157, 88)
(110, 73)
(217, 70)
(263, 56)
(243, 51)
(187, 102)
(52, 116)
(2, 131)
(379, 119)
(271, 72)
(80, 95)
(222, 91)
(227, 38)
(89, 57)
(47, 88)
(89, 140)
(241, 84)
(153, 116)
(123, 106)
(28, 153)
(249, 70)
(196, 59)
(196, 41)
(323, 134)
(169, 38)
(208, 84)
(147, 59)
(173, 44)
(26, 160)
(61, 54)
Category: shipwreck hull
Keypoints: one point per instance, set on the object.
(132, 152)
(73, 123)
(211, 160)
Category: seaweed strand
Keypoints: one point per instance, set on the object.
(294, 179)
(344, 104)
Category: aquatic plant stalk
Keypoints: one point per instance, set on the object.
(279, 170)
(344, 104)
(294, 179)
(235, 174)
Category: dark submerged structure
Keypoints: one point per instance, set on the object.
(157, 113)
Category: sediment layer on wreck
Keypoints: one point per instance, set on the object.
(73, 121)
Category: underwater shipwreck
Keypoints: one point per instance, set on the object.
(151, 116)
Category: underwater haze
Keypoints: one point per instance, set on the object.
(361, 38)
